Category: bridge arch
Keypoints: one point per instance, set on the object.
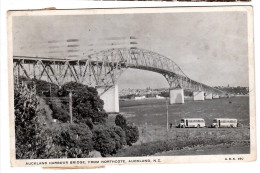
(140, 59)
(102, 69)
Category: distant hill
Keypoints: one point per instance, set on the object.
(235, 90)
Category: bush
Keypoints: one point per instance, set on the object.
(65, 141)
(70, 141)
(131, 132)
(108, 139)
(120, 121)
(119, 137)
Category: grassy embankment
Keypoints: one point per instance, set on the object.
(156, 139)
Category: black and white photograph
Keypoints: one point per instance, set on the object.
(131, 86)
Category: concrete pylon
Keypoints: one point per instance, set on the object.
(176, 96)
(215, 96)
(110, 98)
(198, 95)
(208, 96)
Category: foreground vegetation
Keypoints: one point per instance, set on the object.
(39, 136)
(154, 140)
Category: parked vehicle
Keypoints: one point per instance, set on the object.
(224, 122)
(192, 122)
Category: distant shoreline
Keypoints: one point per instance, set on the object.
(185, 98)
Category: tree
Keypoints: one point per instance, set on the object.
(108, 139)
(87, 105)
(120, 121)
(26, 122)
(131, 132)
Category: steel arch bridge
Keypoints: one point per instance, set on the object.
(102, 69)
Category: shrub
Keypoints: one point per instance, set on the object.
(64, 141)
(119, 136)
(131, 132)
(120, 121)
(71, 141)
(108, 139)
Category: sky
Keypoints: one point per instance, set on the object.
(210, 47)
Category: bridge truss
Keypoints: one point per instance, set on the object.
(102, 69)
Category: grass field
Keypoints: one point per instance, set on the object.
(153, 111)
(150, 117)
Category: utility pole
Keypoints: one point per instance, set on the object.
(167, 114)
(18, 73)
(50, 90)
(70, 105)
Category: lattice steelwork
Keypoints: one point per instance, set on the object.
(102, 69)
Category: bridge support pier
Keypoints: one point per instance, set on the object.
(198, 96)
(208, 96)
(215, 96)
(176, 96)
(110, 98)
